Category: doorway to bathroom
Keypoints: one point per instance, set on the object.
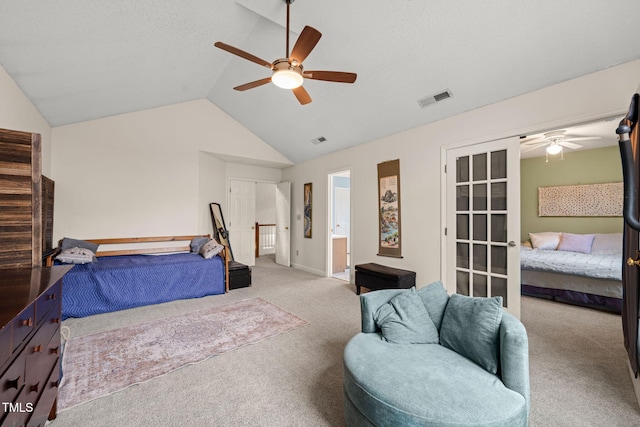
(339, 245)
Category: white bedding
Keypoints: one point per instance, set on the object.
(601, 266)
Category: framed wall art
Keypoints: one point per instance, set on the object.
(581, 200)
(389, 232)
(308, 199)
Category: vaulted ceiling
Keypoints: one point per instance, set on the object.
(79, 60)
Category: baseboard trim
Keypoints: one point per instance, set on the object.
(308, 269)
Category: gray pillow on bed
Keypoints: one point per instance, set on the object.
(197, 243)
(68, 243)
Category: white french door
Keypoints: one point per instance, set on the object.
(283, 223)
(242, 220)
(483, 221)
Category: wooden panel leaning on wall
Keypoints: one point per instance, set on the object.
(20, 199)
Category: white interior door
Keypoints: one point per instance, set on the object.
(242, 220)
(483, 221)
(283, 223)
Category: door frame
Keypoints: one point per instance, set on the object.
(255, 180)
(287, 227)
(516, 131)
(328, 216)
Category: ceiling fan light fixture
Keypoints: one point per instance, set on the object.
(554, 148)
(287, 79)
(287, 76)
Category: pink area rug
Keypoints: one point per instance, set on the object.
(100, 364)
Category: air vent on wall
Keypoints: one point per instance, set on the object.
(318, 140)
(426, 101)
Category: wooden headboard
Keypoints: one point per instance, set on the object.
(142, 250)
(153, 249)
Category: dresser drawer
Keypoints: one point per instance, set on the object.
(49, 299)
(42, 409)
(12, 379)
(19, 411)
(23, 325)
(42, 351)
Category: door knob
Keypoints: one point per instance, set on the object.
(511, 244)
(631, 262)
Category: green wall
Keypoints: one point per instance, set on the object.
(595, 166)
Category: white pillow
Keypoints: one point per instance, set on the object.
(76, 256)
(211, 249)
(547, 240)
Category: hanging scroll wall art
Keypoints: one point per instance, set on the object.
(390, 236)
(308, 198)
(581, 200)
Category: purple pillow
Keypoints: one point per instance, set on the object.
(576, 242)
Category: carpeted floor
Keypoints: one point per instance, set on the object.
(123, 357)
(578, 368)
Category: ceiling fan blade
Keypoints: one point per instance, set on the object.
(570, 145)
(534, 141)
(331, 76)
(582, 138)
(251, 85)
(305, 44)
(534, 147)
(302, 95)
(243, 54)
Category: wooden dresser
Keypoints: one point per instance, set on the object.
(30, 310)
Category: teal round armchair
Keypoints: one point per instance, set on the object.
(426, 359)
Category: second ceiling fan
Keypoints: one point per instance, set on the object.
(555, 141)
(288, 72)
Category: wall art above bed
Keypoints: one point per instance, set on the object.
(581, 200)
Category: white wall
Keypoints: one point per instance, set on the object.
(254, 173)
(147, 173)
(18, 113)
(596, 95)
(212, 181)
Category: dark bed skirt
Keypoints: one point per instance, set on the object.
(576, 298)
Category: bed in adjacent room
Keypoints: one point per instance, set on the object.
(106, 281)
(581, 269)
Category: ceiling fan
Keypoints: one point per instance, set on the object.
(556, 141)
(288, 72)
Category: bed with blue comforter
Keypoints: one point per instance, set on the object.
(121, 282)
(111, 280)
(592, 279)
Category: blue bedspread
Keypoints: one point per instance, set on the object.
(121, 282)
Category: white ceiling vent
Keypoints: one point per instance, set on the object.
(318, 140)
(424, 102)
